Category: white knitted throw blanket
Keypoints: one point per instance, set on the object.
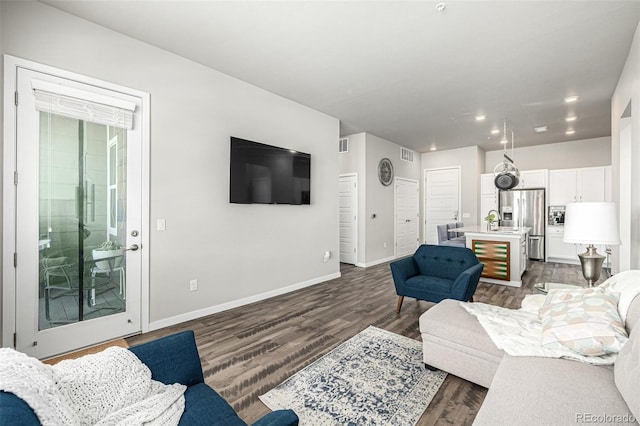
(518, 332)
(112, 387)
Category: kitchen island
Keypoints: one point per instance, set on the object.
(503, 251)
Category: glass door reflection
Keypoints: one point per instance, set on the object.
(82, 220)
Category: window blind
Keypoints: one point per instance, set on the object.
(83, 105)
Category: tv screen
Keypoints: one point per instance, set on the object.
(266, 174)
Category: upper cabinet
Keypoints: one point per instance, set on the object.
(489, 192)
(572, 185)
(487, 185)
(533, 179)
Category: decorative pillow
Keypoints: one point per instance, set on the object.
(586, 321)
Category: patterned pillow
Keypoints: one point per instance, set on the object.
(585, 321)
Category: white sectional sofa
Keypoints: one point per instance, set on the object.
(536, 391)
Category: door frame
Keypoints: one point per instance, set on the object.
(395, 213)
(424, 204)
(11, 65)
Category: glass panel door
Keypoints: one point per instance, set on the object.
(78, 218)
(82, 175)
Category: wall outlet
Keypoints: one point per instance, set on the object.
(384, 245)
(193, 285)
(327, 256)
(161, 225)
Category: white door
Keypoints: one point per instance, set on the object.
(78, 161)
(348, 194)
(407, 216)
(442, 200)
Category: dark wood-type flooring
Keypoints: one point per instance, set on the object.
(249, 350)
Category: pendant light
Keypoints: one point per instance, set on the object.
(509, 175)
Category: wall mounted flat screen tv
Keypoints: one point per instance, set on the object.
(265, 174)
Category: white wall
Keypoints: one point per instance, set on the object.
(376, 239)
(470, 160)
(1, 160)
(380, 199)
(354, 161)
(237, 252)
(562, 155)
(626, 160)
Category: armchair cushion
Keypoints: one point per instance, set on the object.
(435, 273)
(172, 359)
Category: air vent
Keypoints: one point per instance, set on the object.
(344, 145)
(406, 154)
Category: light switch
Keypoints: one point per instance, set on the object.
(161, 225)
(466, 215)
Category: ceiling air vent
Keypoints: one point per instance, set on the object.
(344, 145)
(406, 154)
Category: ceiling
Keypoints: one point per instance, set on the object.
(404, 70)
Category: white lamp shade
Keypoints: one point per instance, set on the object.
(591, 223)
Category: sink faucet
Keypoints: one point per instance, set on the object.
(490, 220)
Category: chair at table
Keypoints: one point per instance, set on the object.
(109, 266)
(57, 275)
(61, 279)
(446, 238)
(435, 273)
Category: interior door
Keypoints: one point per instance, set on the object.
(406, 225)
(442, 200)
(348, 204)
(78, 198)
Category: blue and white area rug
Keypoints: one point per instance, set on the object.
(374, 378)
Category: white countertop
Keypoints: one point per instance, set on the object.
(502, 230)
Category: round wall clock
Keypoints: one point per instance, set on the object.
(385, 171)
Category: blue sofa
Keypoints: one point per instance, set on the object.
(171, 359)
(435, 273)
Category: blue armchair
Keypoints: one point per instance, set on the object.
(171, 359)
(435, 273)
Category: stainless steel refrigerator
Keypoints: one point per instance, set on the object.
(525, 207)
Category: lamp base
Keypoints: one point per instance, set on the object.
(591, 262)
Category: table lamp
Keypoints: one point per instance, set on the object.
(591, 223)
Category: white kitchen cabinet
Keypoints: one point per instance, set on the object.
(487, 203)
(558, 250)
(488, 195)
(608, 188)
(523, 255)
(591, 184)
(572, 185)
(487, 184)
(533, 179)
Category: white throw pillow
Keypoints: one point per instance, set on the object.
(585, 320)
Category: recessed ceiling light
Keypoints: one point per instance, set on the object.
(541, 129)
(570, 99)
(569, 132)
(495, 131)
(570, 118)
(440, 7)
(504, 141)
(480, 117)
(433, 148)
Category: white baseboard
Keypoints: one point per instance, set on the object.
(375, 262)
(155, 325)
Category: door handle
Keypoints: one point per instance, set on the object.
(134, 247)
